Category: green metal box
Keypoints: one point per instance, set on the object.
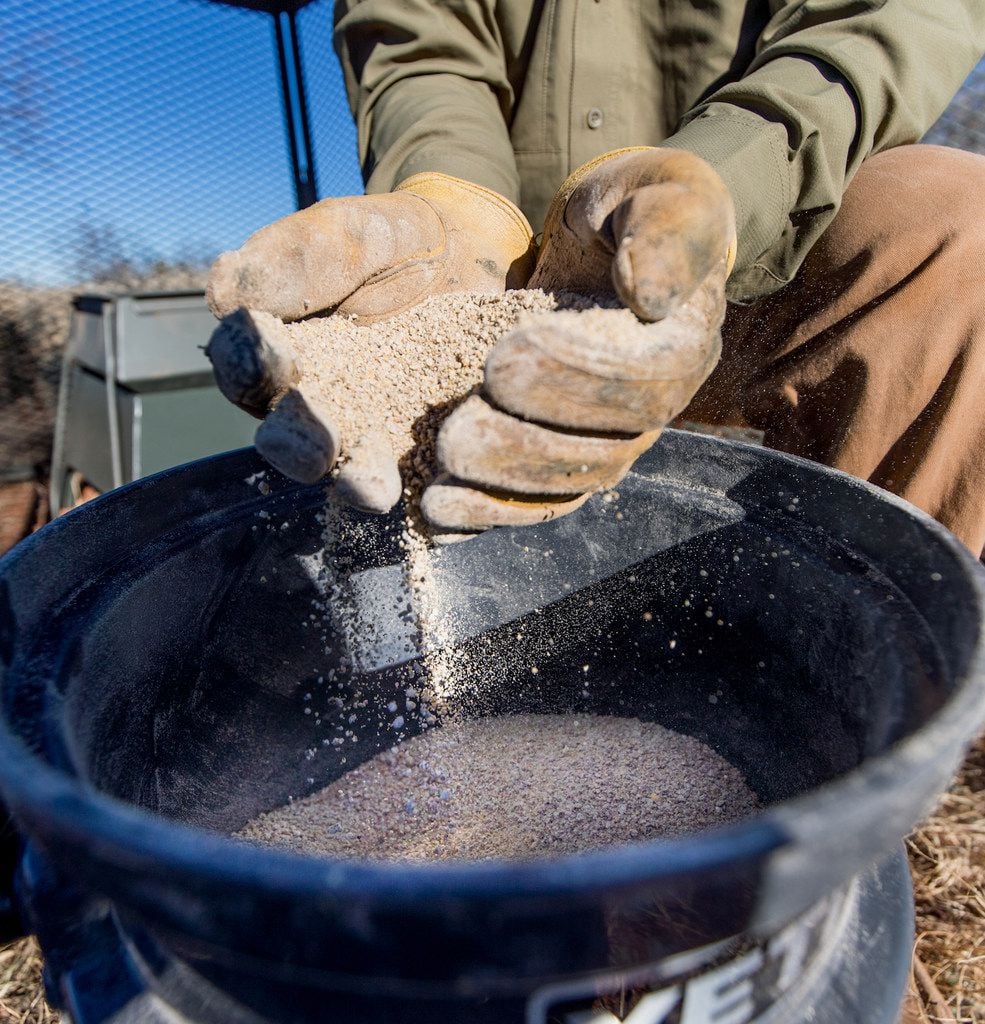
(137, 393)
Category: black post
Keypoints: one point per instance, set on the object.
(298, 128)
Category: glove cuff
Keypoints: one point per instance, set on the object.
(481, 211)
(555, 213)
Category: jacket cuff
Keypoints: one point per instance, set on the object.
(750, 155)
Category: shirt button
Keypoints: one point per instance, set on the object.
(594, 118)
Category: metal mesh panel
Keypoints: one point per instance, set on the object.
(151, 130)
(336, 162)
(962, 125)
(137, 140)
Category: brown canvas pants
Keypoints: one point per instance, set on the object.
(873, 359)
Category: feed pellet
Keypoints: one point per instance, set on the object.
(517, 787)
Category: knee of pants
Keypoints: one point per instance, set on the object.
(909, 203)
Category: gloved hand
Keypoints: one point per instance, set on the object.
(567, 408)
(369, 257)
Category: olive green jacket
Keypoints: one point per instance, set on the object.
(785, 98)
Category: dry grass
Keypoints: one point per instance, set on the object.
(21, 995)
(947, 859)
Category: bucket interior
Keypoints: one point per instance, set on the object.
(203, 678)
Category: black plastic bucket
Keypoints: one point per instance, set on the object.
(155, 656)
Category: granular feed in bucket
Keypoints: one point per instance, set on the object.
(517, 786)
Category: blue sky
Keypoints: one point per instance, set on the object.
(160, 120)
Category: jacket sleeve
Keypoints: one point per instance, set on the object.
(832, 82)
(428, 86)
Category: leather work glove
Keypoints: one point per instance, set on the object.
(566, 409)
(368, 257)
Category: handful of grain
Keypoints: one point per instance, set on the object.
(402, 376)
(396, 373)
